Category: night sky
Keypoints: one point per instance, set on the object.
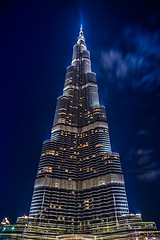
(36, 47)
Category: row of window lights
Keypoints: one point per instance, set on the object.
(81, 224)
(94, 110)
(74, 157)
(84, 145)
(109, 157)
(94, 155)
(82, 134)
(50, 152)
(49, 169)
(56, 153)
(61, 120)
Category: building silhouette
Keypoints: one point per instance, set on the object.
(79, 191)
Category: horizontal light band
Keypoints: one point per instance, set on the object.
(79, 185)
(62, 127)
(70, 86)
(76, 87)
(89, 85)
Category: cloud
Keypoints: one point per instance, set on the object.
(141, 155)
(144, 156)
(144, 152)
(113, 60)
(150, 175)
(143, 164)
(143, 132)
(135, 62)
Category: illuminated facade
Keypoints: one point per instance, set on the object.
(79, 191)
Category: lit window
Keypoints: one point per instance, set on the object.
(47, 169)
(56, 154)
(99, 145)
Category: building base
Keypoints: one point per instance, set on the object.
(129, 226)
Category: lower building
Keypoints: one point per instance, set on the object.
(127, 226)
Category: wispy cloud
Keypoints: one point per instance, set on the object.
(150, 175)
(144, 156)
(112, 60)
(145, 168)
(135, 62)
(143, 132)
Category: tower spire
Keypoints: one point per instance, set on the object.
(81, 39)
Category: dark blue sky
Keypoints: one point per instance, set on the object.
(36, 47)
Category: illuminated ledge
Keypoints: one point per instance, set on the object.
(93, 125)
(70, 86)
(89, 85)
(76, 87)
(76, 237)
(78, 44)
(62, 127)
(83, 58)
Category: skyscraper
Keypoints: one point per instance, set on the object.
(78, 175)
(79, 190)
